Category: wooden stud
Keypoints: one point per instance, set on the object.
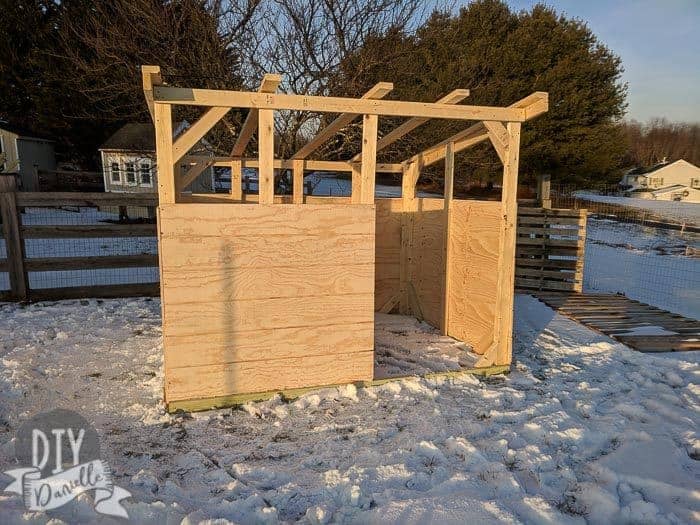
(236, 179)
(356, 188)
(164, 153)
(409, 208)
(501, 351)
(544, 197)
(242, 99)
(369, 158)
(269, 84)
(379, 91)
(266, 155)
(297, 181)
(449, 191)
(453, 97)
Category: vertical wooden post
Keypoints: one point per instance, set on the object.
(408, 211)
(297, 181)
(369, 158)
(14, 244)
(164, 153)
(544, 197)
(266, 156)
(236, 175)
(356, 191)
(447, 206)
(506, 276)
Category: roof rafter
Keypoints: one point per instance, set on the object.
(380, 90)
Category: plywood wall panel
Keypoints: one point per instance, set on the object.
(265, 297)
(255, 345)
(387, 250)
(267, 314)
(269, 375)
(211, 283)
(210, 220)
(428, 258)
(474, 253)
(256, 251)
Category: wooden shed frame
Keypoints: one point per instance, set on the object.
(190, 381)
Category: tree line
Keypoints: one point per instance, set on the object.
(69, 69)
(659, 140)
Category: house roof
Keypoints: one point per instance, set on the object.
(657, 167)
(141, 136)
(133, 136)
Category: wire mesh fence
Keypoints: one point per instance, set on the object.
(64, 247)
(648, 250)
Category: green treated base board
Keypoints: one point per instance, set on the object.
(211, 403)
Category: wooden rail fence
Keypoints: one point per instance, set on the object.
(18, 265)
(550, 249)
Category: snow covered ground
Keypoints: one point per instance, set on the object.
(582, 430)
(675, 210)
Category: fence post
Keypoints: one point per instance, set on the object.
(544, 191)
(14, 245)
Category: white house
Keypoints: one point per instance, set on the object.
(129, 160)
(679, 180)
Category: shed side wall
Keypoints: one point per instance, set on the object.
(265, 297)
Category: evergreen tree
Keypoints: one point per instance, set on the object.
(502, 56)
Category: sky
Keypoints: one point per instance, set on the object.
(659, 43)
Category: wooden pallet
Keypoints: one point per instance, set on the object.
(618, 316)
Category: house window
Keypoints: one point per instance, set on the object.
(695, 183)
(658, 181)
(130, 172)
(115, 175)
(145, 172)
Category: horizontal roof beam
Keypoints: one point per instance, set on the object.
(379, 91)
(240, 99)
